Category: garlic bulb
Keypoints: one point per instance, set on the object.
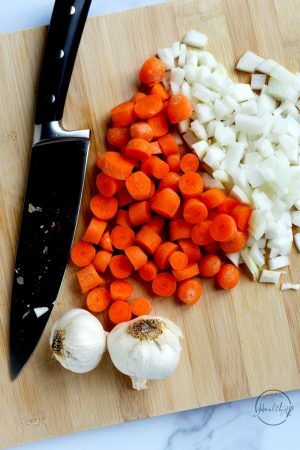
(78, 340)
(145, 348)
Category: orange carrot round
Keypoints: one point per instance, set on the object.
(82, 253)
(94, 231)
(101, 260)
(171, 180)
(148, 272)
(190, 271)
(115, 165)
(158, 124)
(236, 244)
(191, 185)
(136, 256)
(122, 237)
(168, 145)
(123, 114)
(191, 250)
(148, 106)
(118, 137)
(166, 203)
(152, 71)
(148, 239)
(173, 162)
(105, 242)
(120, 290)
(119, 312)
(164, 284)
(138, 149)
(163, 253)
(98, 300)
(189, 291)
(120, 266)
(138, 185)
(139, 213)
(209, 266)
(189, 163)
(107, 186)
(241, 215)
(141, 130)
(123, 197)
(228, 205)
(159, 89)
(157, 167)
(223, 228)
(179, 108)
(178, 260)
(201, 233)
(228, 276)
(194, 211)
(155, 148)
(213, 198)
(179, 229)
(156, 224)
(89, 278)
(104, 207)
(137, 96)
(141, 306)
(122, 218)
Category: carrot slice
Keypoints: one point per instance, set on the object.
(108, 186)
(118, 137)
(139, 213)
(122, 218)
(136, 256)
(122, 237)
(148, 239)
(104, 208)
(156, 167)
(173, 162)
(191, 250)
(159, 89)
(179, 108)
(163, 253)
(209, 266)
(152, 190)
(120, 266)
(156, 224)
(148, 272)
(159, 125)
(105, 242)
(168, 145)
(89, 278)
(119, 312)
(189, 163)
(123, 197)
(138, 185)
(190, 271)
(213, 198)
(120, 290)
(228, 205)
(101, 260)
(148, 106)
(201, 233)
(94, 231)
(228, 276)
(138, 149)
(98, 300)
(152, 71)
(115, 165)
(236, 244)
(241, 215)
(171, 180)
(82, 253)
(155, 148)
(189, 291)
(179, 229)
(213, 247)
(141, 130)
(194, 211)
(223, 228)
(178, 260)
(137, 96)
(191, 185)
(164, 284)
(141, 306)
(123, 114)
(166, 203)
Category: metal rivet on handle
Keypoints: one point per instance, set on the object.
(61, 54)
(72, 10)
(50, 98)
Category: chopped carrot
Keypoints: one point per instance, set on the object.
(101, 260)
(209, 265)
(164, 284)
(138, 185)
(194, 211)
(179, 108)
(136, 256)
(148, 239)
(156, 167)
(122, 218)
(141, 130)
(82, 253)
(104, 208)
(178, 260)
(191, 185)
(120, 266)
(123, 197)
(168, 145)
(108, 186)
(138, 149)
(98, 300)
(120, 290)
(180, 229)
(189, 163)
(115, 165)
(190, 271)
(152, 71)
(156, 224)
(163, 253)
(159, 125)
(139, 213)
(201, 233)
(94, 231)
(213, 247)
(148, 272)
(189, 291)
(173, 162)
(141, 306)
(171, 180)
(137, 96)
(166, 203)
(152, 190)
(119, 312)
(191, 250)
(213, 198)
(228, 276)
(223, 228)
(159, 89)
(241, 215)
(123, 114)
(122, 237)
(236, 244)
(118, 137)
(105, 242)
(155, 148)
(228, 205)
(148, 106)
(89, 278)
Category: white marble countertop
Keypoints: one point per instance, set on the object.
(233, 426)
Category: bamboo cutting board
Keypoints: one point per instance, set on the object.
(237, 344)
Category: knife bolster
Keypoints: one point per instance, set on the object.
(50, 131)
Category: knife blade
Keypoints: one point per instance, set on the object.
(54, 189)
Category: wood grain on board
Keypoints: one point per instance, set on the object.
(237, 344)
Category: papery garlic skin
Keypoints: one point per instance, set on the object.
(78, 341)
(145, 348)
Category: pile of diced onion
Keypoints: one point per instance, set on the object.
(247, 137)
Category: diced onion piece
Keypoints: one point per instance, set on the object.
(254, 270)
(280, 73)
(204, 112)
(214, 156)
(296, 218)
(200, 148)
(250, 124)
(166, 55)
(257, 256)
(239, 195)
(281, 91)
(198, 130)
(249, 62)
(297, 204)
(289, 286)
(234, 258)
(203, 94)
(265, 104)
(297, 240)
(279, 262)
(195, 39)
(207, 59)
(266, 66)
(248, 107)
(257, 223)
(242, 92)
(257, 81)
(192, 58)
(274, 253)
(175, 88)
(177, 75)
(222, 176)
(182, 55)
(183, 126)
(186, 89)
(269, 276)
(224, 135)
(176, 49)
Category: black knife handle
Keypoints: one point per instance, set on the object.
(66, 27)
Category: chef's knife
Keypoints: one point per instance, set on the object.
(54, 188)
